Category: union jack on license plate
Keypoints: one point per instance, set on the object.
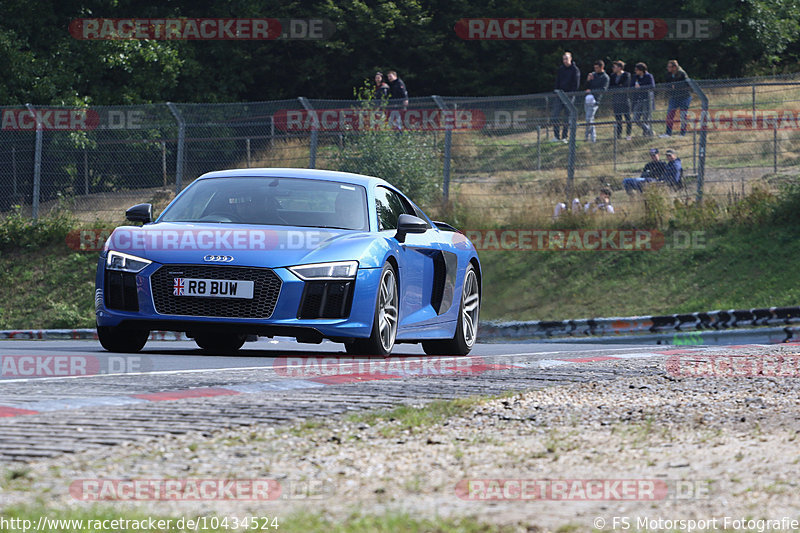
(178, 287)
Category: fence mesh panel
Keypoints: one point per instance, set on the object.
(497, 156)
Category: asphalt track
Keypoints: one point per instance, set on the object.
(65, 396)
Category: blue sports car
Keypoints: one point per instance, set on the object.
(310, 254)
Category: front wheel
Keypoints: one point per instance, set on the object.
(384, 324)
(467, 325)
(116, 339)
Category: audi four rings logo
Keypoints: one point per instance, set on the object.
(218, 258)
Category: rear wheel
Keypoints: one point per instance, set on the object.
(467, 325)
(219, 343)
(116, 339)
(384, 324)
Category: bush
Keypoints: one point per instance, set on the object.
(18, 231)
(408, 160)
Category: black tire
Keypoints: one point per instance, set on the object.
(461, 343)
(222, 343)
(380, 342)
(119, 340)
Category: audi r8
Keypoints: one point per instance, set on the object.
(309, 254)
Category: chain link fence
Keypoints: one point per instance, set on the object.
(503, 157)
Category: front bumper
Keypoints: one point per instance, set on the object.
(284, 319)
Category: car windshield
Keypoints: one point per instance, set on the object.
(273, 201)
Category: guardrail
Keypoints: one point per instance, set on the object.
(593, 327)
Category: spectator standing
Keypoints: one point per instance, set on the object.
(674, 172)
(596, 87)
(397, 89)
(568, 79)
(642, 97)
(619, 85)
(381, 87)
(680, 96)
(655, 170)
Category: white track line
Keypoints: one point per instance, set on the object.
(349, 360)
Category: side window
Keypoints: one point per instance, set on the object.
(389, 207)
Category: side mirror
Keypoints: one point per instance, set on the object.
(140, 213)
(409, 224)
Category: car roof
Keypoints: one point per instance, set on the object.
(303, 173)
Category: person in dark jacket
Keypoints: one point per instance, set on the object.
(655, 170)
(642, 98)
(596, 87)
(381, 87)
(674, 172)
(397, 89)
(619, 84)
(568, 79)
(680, 96)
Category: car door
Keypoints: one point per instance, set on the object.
(414, 257)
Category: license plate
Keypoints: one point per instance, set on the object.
(214, 288)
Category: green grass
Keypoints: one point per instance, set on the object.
(48, 287)
(741, 267)
(406, 417)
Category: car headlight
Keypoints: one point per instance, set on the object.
(322, 271)
(125, 262)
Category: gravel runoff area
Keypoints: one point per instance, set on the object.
(723, 449)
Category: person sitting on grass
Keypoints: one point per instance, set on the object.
(674, 169)
(655, 170)
(602, 204)
(561, 207)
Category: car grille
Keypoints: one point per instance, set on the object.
(266, 287)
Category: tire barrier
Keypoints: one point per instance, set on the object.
(703, 321)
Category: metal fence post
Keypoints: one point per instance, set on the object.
(775, 148)
(14, 169)
(312, 149)
(448, 142)
(247, 143)
(701, 151)
(164, 161)
(271, 131)
(85, 172)
(181, 142)
(538, 147)
(37, 164)
(573, 119)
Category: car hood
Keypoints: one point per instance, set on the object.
(240, 244)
